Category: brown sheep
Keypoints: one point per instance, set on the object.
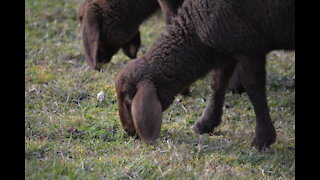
(206, 35)
(108, 25)
(169, 10)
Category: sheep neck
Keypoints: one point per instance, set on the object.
(176, 60)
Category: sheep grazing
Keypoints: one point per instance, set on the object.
(108, 25)
(206, 35)
(169, 10)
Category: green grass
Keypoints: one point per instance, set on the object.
(70, 135)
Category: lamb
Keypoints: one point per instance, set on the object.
(169, 9)
(206, 35)
(108, 25)
(101, 51)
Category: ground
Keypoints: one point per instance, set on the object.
(70, 135)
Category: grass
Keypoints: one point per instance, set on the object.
(70, 135)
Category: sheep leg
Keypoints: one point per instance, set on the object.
(211, 117)
(253, 77)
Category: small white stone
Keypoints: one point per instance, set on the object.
(100, 96)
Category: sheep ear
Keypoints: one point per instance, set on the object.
(131, 48)
(90, 36)
(146, 112)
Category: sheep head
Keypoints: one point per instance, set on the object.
(138, 104)
(96, 49)
(99, 44)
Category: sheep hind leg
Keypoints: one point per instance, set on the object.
(211, 116)
(253, 77)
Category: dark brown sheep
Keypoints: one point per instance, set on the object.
(169, 10)
(207, 35)
(108, 25)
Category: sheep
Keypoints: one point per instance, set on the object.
(206, 35)
(169, 9)
(108, 25)
(101, 51)
(111, 24)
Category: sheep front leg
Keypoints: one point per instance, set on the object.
(211, 117)
(253, 77)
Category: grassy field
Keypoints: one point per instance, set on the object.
(70, 135)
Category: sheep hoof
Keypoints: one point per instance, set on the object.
(260, 145)
(199, 129)
(263, 142)
(131, 132)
